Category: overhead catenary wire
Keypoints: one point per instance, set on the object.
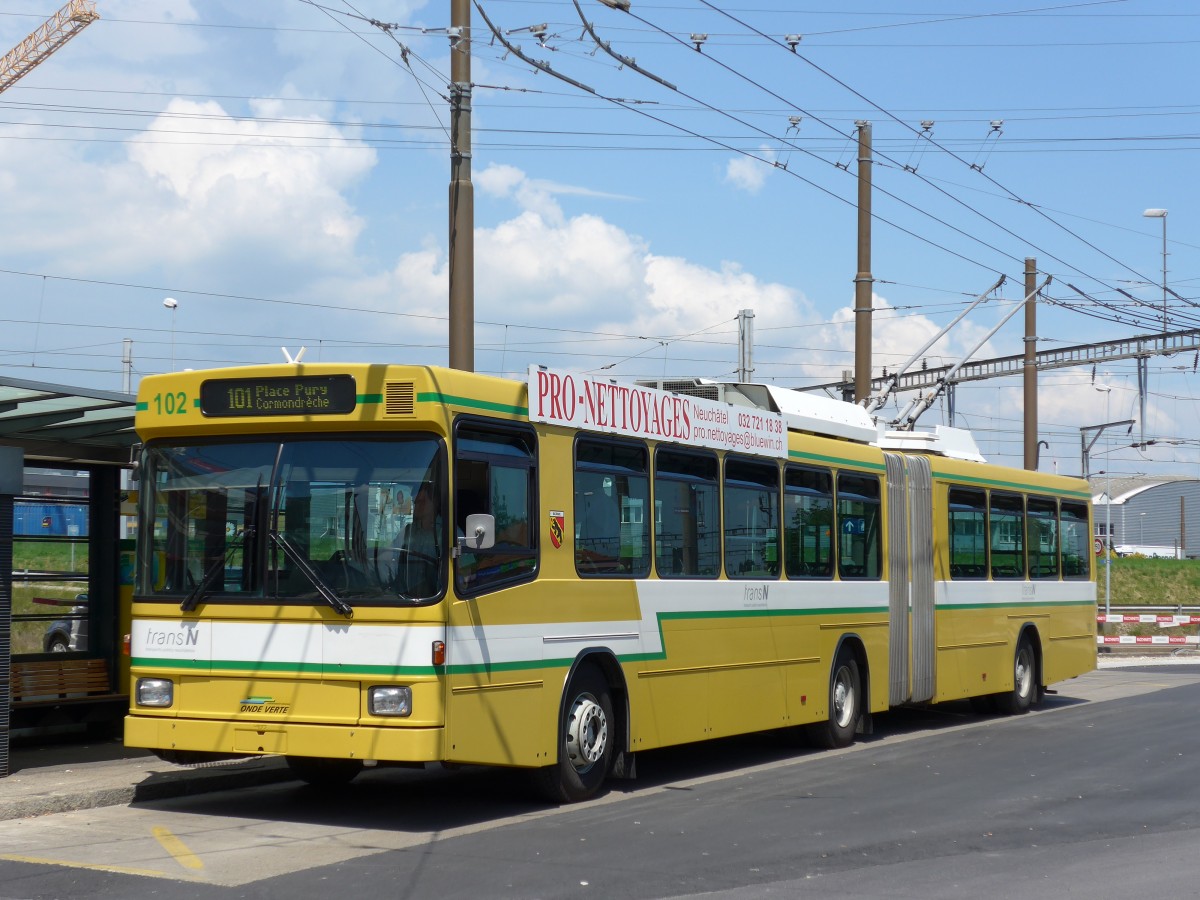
(545, 67)
(935, 143)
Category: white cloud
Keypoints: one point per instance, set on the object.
(233, 180)
(747, 173)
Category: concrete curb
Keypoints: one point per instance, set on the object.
(39, 792)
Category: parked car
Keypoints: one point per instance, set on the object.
(69, 633)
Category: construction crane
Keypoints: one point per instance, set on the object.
(46, 38)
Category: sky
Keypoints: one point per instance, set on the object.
(280, 168)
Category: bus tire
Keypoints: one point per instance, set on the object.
(845, 705)
(585, 740)
(1020, 698)
(324, 773)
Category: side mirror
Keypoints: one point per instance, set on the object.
(135, 463)
(480, 533)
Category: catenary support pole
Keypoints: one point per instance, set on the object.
(462, 197)
(863, 280)
(1031, 378)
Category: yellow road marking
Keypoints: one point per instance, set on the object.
(177, 848)
(98, 867)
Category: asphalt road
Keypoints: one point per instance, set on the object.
(1096, 795)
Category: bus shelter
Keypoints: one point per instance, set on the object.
(62, 454)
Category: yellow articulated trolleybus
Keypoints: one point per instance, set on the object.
(359, 565)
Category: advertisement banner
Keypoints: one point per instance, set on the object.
(581, 401)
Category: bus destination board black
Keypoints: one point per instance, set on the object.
(302, 395)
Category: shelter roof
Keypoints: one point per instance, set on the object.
(59, 425)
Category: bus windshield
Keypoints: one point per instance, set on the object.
(340, 522)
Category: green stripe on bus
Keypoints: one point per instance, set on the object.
(142, 406)
(472, 403)
(228, 666)
(835, 460)
(365, 399)
(1013, 485)
(1028, 604)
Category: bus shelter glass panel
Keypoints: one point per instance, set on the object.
(50, 559)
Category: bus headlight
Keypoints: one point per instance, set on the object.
(155, 692)
(390, 701)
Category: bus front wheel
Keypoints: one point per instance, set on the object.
(585, 740)
(845, 705)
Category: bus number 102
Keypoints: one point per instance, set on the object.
(171, 404)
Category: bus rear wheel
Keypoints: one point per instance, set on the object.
(585, 741)
(845, 705)
(1020, 698)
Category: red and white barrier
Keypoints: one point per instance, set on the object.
(1165, 621)
(1148, 639)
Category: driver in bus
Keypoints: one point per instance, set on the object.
(420, 545)
(423, 535)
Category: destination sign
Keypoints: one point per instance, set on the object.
(301, 395)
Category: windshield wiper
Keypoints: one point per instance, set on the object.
(215, 568)
(328, 594)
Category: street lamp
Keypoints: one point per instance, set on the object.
(1162, 214)
(1107, 389)
(172, 304)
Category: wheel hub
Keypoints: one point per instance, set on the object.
(587, 733)
(843, 699)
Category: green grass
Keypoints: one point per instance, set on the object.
(1151, 582)
(43, 556)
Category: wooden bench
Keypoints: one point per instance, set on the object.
(64, 690)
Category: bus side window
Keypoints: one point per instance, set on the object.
(612, 493)
(687, 514)
(495, 472)
(1076, 540)
(968, 533)
(860, 543)
(1006, 535)
(1042, 524)
(808, 522)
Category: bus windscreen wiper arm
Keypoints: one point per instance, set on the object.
(215, 568)
(306, 568)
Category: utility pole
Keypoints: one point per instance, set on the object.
(863, 280)
(462, 196)
(745, 370)
(127, 365)
(1031, 379)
